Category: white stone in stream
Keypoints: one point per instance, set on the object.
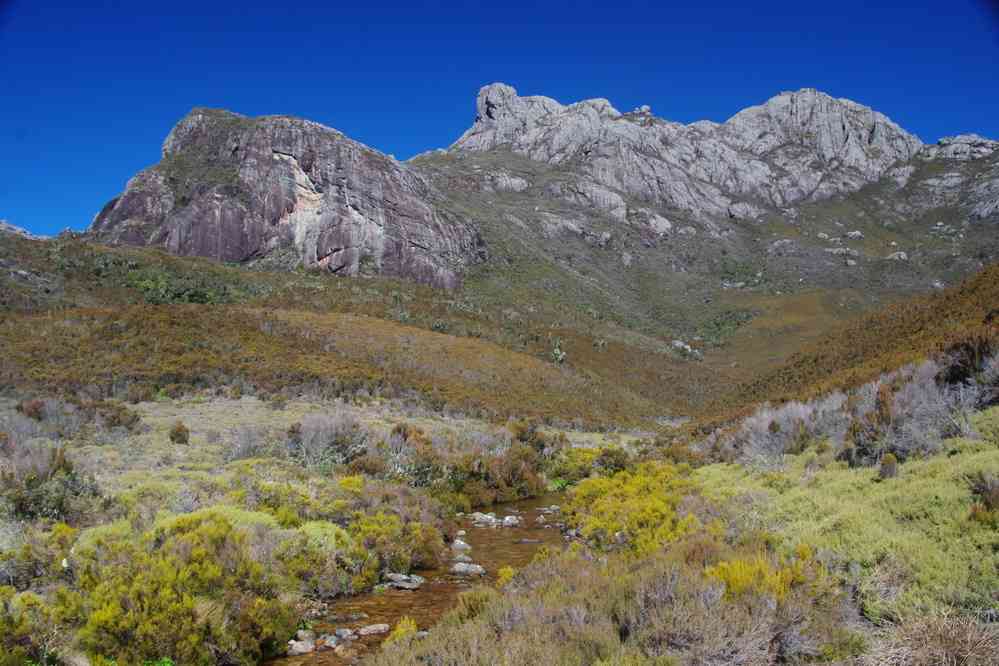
(465, 569)
(458, 544)
(483, 519)
(305, 635)
(462, 558)
(404, 582)
(511, 521)
(461, 533)
(296, 648)
(373, 629)
(344, 634)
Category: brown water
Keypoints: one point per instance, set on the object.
(492, 548)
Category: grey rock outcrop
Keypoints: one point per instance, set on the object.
(961, 147)
(8, 228)
(238, 189)
(797, 146)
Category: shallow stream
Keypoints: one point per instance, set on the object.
(492, 548)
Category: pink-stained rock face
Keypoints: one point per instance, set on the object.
(293, 193)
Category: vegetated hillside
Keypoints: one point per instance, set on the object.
(115, 320)
(640, 377)
(963, 319)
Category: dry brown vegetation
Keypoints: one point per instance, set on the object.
(963, 319)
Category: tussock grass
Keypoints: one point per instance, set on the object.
(908, 542)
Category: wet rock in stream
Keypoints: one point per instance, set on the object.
(466, 569)
(404, 582)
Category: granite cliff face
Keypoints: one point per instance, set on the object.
(798, 146)
(288, 191)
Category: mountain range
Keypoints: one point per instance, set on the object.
(641, 219)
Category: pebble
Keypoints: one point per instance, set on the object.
(466, 569)
(344, 652)
(373, 629)
(404, 582)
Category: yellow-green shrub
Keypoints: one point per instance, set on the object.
(404, 628)
(13, 630)
(177, 591)
(636, 509)
(757, 574)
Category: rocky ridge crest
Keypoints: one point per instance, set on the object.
(797, 146)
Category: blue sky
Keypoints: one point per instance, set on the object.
(89, 90)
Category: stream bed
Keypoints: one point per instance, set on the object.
(491, 548)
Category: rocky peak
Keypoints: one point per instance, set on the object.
(796, 146)
(835, 129)
(237, 189)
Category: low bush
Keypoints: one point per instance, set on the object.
(889, 466)
(179, 434)
(40, 482)
(404, 629)
(936, 640)
(324, 441)
(637, 511)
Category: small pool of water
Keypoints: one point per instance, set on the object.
(492, 548)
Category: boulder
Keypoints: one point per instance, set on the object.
(373, 630)
(467, 569)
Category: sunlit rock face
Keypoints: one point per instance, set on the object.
(797, 146)
(293, 192)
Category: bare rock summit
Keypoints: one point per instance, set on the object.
(797, 146)
(292, 192)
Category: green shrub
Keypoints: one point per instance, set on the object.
(889, 466)
(45, 484)
(179, 434)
